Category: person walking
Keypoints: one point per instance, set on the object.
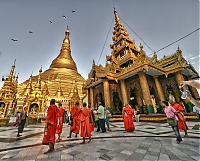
(59, 126)
(75, 120)
(101, 116)
(85, 115)
(52, 118)
(17, 115)
(96, 120)
(137, 115)
(65, 116)
(107, 118)
(171, 113)
(181, 120)
(22, 120)
(127, 114)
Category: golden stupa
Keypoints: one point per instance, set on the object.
(61, 82)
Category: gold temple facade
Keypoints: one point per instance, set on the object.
(61, 82)
(130, 76)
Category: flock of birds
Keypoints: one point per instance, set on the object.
(30, 32)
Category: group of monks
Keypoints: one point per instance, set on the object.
(81, 121)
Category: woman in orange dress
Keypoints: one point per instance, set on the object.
(127, 114)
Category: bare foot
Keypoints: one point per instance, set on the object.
(82, 143)
(89, 140)
(48, 151)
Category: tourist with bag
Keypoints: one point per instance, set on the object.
(172, 119)
(22, 120)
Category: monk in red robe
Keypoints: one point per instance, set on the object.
(127, 114)
(85, 116)
(181, 120)
(60, 122)
(75, 120)
(51, 125)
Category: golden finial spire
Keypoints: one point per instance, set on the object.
(64, 59)
(12, 70)
(28, 88)
(59, 92)
(38, 84)
(116, 16)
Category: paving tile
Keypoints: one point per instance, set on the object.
(150, 141)
(163, 157)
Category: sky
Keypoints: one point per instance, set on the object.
(157, 22)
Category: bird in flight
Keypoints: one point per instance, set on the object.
(30, 32)
(64, 16)
(50, 21)
(14, 40)
(73, 11)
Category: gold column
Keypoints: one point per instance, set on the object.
(194, 90)
(179, 79)
(106, 93)
(145, 88)
(91, 97)
(159, 89)
(124, 92)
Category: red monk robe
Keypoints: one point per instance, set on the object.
(52, 118)
(181, 120)
(76, 120)
(85, 123)
(60, 121)
(127, 114)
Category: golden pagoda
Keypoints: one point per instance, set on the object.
(130, 76)
(58, 82)
(8, 93)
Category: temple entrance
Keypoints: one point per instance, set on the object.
(133, 100)
(99, 98)
(170, 93)
(117, 103)
(154, 99)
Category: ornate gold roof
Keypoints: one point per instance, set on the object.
(126, 60)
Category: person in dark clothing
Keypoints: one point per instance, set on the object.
(22, 120)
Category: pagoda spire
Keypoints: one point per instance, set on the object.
(12, 70)
(59, 92)
(28, 88)
(38, 84)
(64, 59)
(75, 95)
(116, 17)
(123, 46)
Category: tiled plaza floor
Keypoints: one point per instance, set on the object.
(150, 141)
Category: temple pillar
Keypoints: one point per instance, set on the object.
(194, 90)
(179, 79)
(91, 97)
(159, 89)
(106, 93)
(145, 92)
(124, 92)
